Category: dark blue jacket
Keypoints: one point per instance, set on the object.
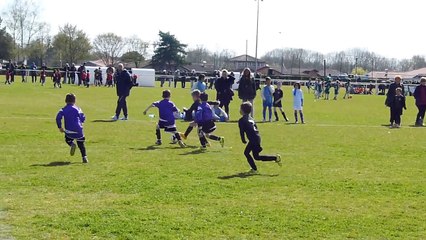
(124, 83)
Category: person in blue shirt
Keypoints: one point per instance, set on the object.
(73, 120)
(200, 85)
(204, 117)
(267, 98)
(167, 110)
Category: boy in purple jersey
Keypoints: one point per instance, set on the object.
(73, 119)
(167, 110)
(204, 117)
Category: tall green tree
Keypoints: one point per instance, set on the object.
(71, 44)
(109, 47)
(6, 43)
(170, 52)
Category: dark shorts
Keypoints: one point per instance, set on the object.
(207, 127)
(255, 147)
(278, 104)
(168, 127)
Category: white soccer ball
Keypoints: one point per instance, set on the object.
(173, 139)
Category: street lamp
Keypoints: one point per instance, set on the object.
(257, 34)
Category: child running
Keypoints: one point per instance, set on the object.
(189, 113)
(248, 127)
(278, 97)
(298, 103)
(396, 108)
(73, 121)
(267, 97)
(167, 110)
(204, 117)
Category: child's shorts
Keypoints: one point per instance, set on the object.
(278, 104)
(207, 127)
(168, 127)
(267, 104)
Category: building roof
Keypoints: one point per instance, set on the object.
(405, 75)
(244, 58)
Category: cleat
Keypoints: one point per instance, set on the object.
(124, 118)
(222, 141)
(252, 172)
(114, 118)
(158, 142)
(183, 136)
(72, 149)
(203, 148)
(182, 144)
(279, 161)
(85, 160)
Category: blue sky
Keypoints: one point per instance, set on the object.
(392, 28)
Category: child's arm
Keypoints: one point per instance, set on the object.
(279, 100)
(147, 109)
(59, 117)
(81, 116)
(242, 131)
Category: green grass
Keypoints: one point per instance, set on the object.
(344, 175)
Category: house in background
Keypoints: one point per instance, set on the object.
(237, 64)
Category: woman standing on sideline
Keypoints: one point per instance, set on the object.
(390, 96)
(247, 89)
(420, 96)
(224, 91)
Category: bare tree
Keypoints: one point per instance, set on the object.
(135, 44)
(21, 20)
(71, 44)
(109, 47)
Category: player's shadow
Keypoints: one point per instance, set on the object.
(246, 175)
(53, 164)
(104, 121)
(194, 152)
(155, 147)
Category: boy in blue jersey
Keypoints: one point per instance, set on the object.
(73, 121)
(167, 110)
(267, 98)
(204, 117)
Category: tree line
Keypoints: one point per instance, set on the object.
(22, 36)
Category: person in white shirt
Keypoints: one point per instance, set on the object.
(298, 102)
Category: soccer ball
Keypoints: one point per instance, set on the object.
(173, 139)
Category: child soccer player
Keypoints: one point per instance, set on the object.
(190, 112)
(87, 78)
(219, 114)
(109, 79)
(267, 97)
(57, 79)
(327, 89)
(43, 76)
(347, 89)
(248, 127)
(167, 110)
(298, 103)
(200, 85)
(73, 119)
(396, 107)
(278, 97)
(336, 89)
(7, 77)
(204, 117)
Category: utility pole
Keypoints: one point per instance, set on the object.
(257, 35)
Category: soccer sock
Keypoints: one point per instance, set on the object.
(158, 133)
(284, 116)
(301, 117)
(203, 141)
(264, 113)
(276, 115)
(270, 114)
(188, 131)
(213, 137)
(177, 136)
(295, 116)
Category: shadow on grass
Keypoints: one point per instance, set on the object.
(53, 164)
(246, 175)
(155, 147)
(104, 121)
(195, 152)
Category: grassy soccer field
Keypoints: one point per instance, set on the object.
(344, 175)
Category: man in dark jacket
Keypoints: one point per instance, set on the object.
(123, 85)
(247, 88)
(392, 92)
(420, 96)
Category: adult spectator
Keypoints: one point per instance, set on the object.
(224, 93)
(11, 66)
(66, 70)
(23, 72)
(73, 69)
(33, 73)
(247, 88)
(123, 84)
(390, 96)
(81, 70)
(176, 77)
(420, 96)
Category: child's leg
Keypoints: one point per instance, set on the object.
(264, 112)
(249, 157)
(398, 119)
(276, 114)
(189, 129)
(270, 112)
(283, 113)
(295, 116)
(201, 135)
(69, 141)
(82, 147)
(301, 116)
(213, 137)
(264, 158)
(158, 133)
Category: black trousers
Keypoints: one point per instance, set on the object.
(80, 144)
(395, 116)
(255, 148)
(225, 104)
(33, 78)
(121, 105)
(421, 113)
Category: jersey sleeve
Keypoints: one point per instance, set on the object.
(81, 115)
(242, 130)
(59, 117)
